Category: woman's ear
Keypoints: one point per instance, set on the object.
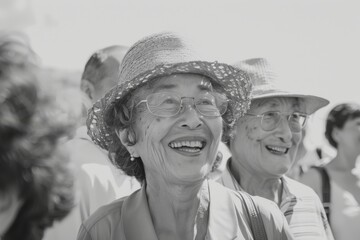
(88, 88)
(126, 138)
(336, 134)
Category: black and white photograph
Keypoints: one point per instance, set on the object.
(179, 120)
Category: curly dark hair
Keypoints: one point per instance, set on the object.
(121, 115)
(31, 159)
(337, 118)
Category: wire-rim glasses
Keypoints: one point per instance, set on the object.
(166, 104)
(271, 120)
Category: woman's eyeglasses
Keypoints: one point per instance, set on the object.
(165, 104)
(270, 120)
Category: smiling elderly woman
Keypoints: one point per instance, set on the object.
(263, 146)
(162, 124)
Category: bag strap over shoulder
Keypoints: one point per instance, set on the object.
(326, 189)
(256, 221)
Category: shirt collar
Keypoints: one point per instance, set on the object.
(228, 180)
(136, 219)
(223, 223)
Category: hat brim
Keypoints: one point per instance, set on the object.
(312, 103)
(234, 82)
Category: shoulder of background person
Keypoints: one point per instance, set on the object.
(82, 151)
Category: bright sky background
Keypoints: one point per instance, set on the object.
(313, 45)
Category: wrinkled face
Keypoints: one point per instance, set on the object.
(348, 137)
(9, 207)
(183, 147)
(269, 153)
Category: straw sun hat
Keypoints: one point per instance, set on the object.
(266, 85)
(162, 55)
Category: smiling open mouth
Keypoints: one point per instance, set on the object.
(277, 150)
(188, 146)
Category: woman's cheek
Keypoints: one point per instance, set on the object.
(152, 129)
(144, 126)
(253, 133)
(216, 127)
(297, 138)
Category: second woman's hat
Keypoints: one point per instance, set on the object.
(266, 84)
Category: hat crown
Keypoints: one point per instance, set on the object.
(266, 84)
(162, 48)
(261, 75)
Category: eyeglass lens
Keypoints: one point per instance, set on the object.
(168, 104)
(271, 120)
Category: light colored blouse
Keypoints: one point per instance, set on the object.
(344, 213)
(129, 218)
(300, 205)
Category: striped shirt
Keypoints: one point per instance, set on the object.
(300, 205)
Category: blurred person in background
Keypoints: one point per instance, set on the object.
(98, 182)
(306, 156)
(100, 74)
(337, 182)
(106, 182)
(36, 182)
(264, 143)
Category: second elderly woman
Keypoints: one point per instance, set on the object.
(264, 145)
(162, 124)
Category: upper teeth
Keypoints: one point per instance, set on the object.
(186, 144)
(279, 149)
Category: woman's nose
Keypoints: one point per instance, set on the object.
(283, 130)
(191, 117)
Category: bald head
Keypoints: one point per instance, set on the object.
(101, 71)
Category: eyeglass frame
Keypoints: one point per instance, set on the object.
(182, 104)
(281, 114)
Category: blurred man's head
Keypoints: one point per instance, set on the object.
(101, 71)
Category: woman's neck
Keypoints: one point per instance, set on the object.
(256, 184)
(173, 206)
(343, 162)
